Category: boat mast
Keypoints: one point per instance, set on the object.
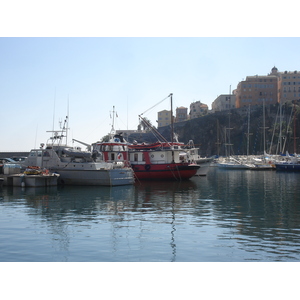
(172, 123)
(280, 127)
(172, 127)
(248, 133)
(229, 128)
(295, 148)
(113, 122)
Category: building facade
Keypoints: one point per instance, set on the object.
(198, 109)
(223, 102)
(181, 114)
(256, 90)
(289, 86)
(163, 118)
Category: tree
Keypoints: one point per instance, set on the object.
(105, 138)
(145, 124)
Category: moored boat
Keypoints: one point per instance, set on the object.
(287, 166)
(162, 160)
(33, 177)
(77, 167)
(234, 163)
(193, 155)
(160, 163)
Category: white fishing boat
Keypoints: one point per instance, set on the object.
(77, 167)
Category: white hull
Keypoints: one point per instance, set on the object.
(112, 177)
(233, 166)
(80, 171)
(204, 169)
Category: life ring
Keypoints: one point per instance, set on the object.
(147, 167)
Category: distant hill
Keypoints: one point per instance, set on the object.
(208, 132)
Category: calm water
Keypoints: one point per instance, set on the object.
(226, 216)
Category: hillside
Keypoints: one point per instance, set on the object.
(208, 132)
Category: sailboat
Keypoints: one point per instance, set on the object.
(231, 162)
(290, 162)
(261, 163)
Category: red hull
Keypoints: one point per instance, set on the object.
(164, 171)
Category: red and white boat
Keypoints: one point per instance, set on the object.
(115, 150)
(160, 161)
(154, 161)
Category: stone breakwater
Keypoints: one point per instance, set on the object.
(13, 154)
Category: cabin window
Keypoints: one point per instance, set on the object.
(112, 156)
(135, 157)
(143, 157)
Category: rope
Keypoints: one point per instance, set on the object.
(173, 173)
(178, 172)
(155, 105)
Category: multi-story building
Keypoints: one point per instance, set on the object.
(289, 86)
(198, 109)
(258, 89)
(163, 118)
(181, 114)
(223, 102)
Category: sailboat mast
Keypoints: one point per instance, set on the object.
(229, 128)
(280, 127)
(248, 133)
(264, 124)
(172, 123)
(295, 150)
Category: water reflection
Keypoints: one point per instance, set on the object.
(225, 216)
(263, 208)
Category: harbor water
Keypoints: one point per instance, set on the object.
(226, 216)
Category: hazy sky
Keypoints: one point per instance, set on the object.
(41, 77)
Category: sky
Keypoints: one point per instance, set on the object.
(46, 75)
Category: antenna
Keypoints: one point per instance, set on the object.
(67, 121)
(54, 110)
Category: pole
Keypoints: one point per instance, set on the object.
(172, 123)
(172, 127)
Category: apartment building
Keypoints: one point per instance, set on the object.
(256, 90)
(290, 86)
(223, 102)
(163, 118)
(198, 109)
(181, 114)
